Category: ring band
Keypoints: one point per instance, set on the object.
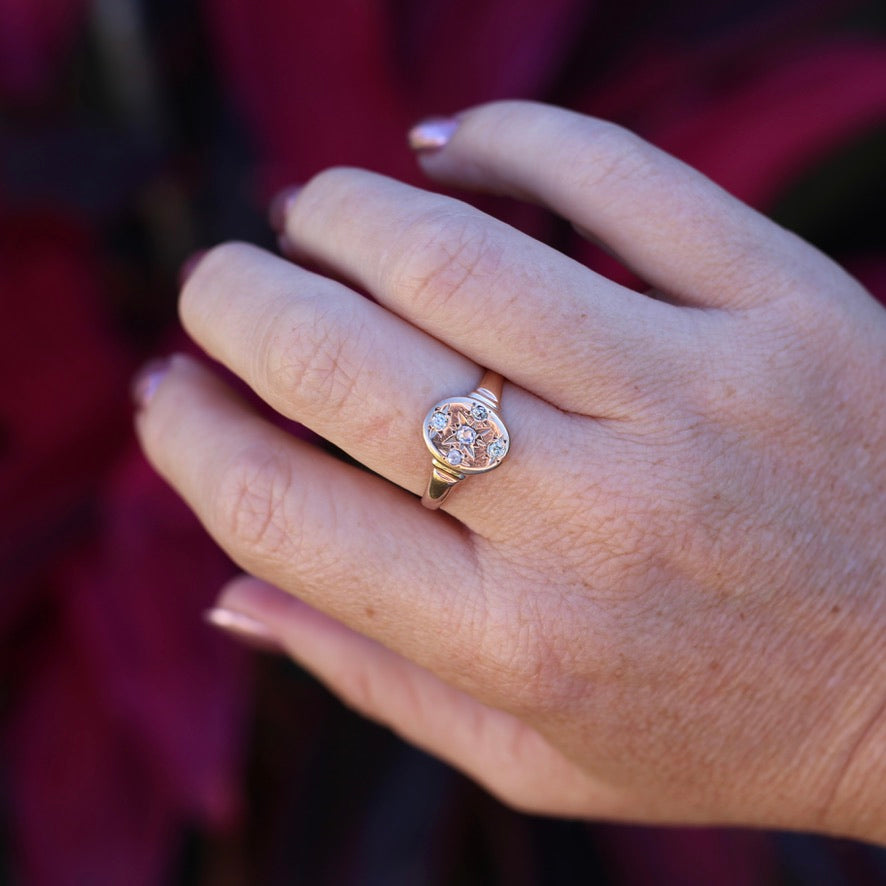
(464, 435)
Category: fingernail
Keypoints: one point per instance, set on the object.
(189, 266)
(280, 206)
(432, 134)
(251, 631)
(146, 381)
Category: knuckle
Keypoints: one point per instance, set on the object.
(369, 692)
(492, 642)
(448, 251)
(357, 688)
(611, 157)
(314, 360)
(521, 656)
(768, 390)
(253, 505)
(736, 259)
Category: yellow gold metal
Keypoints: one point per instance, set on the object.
(443, 478)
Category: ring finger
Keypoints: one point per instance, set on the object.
(350, 370)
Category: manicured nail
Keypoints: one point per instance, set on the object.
(280, 206)
(146, 381)
(243, 627)
(189, 266)
(432, 134)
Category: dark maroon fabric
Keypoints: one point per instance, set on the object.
(126, 712)
(33, 36)
(130, 732)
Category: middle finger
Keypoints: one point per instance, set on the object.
(493, 293)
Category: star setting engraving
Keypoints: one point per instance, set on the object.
(466, 435)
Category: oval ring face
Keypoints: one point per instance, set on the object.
(466, 435)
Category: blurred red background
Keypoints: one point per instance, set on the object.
(138, 746)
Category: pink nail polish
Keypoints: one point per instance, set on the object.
(432, 134)
(244, 627)
(280, 206)
(189, 266)
(146, 381)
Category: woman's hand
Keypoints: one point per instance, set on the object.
(669, 603)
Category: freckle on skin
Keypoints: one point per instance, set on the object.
(370, 612)
(835, 609)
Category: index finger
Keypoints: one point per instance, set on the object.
(680, 232)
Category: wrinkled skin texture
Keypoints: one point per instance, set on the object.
(667, 605)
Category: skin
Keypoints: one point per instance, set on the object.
(667, 604)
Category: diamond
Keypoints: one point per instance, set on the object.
(466, 434)
(480, 413)
(497, 448)
(439, 420)
(454, 457)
